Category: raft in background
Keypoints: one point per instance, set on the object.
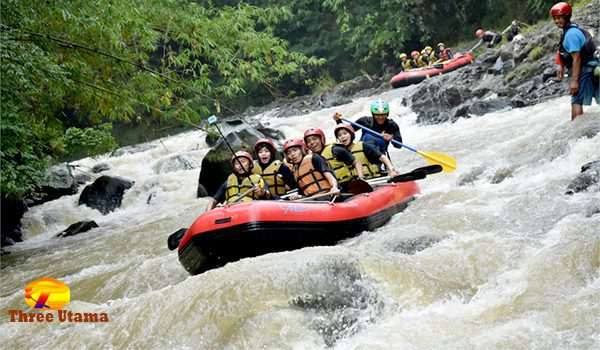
(415, 76)
(249, 229)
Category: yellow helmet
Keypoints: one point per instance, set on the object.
(403, 55)
(428, 48)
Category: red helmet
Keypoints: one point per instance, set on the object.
(265, 142)
(315, 132)
(414, 54)
(561, 9)
(242, 154)
(293, 143)
(479, 32)
(345, 127)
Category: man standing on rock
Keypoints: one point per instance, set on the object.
(576, 52)
(378, 121)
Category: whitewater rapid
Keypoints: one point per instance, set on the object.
(492, 256)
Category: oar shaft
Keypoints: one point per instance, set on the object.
(396, 142)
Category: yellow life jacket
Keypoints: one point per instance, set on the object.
(406, 65)
(310, 181)
(369, 170)
(269, 174)
(342, 172)
(420, 62)
(235, 189)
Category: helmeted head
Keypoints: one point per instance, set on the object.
(441, 46)
(242, 162)
(380, 110)
(294, 150)
(265, 150)
(403, 56)
(344, 133)
(561, 9)
(428, 49)
(415, 54)
(561, 12)
(479, 33)
(314, 138)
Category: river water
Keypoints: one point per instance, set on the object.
(492, 256)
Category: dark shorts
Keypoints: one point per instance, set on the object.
(589, 87)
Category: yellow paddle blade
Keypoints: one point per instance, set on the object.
(448, 163)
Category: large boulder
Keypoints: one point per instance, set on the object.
(216, 164)
(105, 194)
(12, 212)
(77, 228)
(58, 181)
(587, 179)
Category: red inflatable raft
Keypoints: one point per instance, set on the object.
(416, 76)
(249, 229)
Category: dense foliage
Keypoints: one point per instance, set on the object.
(69, 67)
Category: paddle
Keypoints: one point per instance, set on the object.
(448, 163)
(415, 174)
(175, 238)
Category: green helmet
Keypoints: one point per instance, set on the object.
(380, 107)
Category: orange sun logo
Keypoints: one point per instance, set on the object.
(47, 293)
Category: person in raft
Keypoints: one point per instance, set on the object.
(276, 174)
(417, 61)
(379, 122)
(367, 154)
(576, 52)
(242, 185)
(341, 160)
(444, 53)
(311, 171)
(428, 55)
(405, 62)
(488, 37)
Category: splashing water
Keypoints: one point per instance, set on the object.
(492, 256)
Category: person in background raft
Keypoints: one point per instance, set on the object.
(491, 38)
(428, 55)
(379, 122)
(417, 61)
(444, 53)
(341, 160)
(367, 154)
(277, 175)
(576, 52)
(311, 172)
(237, 187)
(405, 62)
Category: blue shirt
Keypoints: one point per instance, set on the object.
(574, 40)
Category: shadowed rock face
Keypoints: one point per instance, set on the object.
(515, 75)
(216, 164)
(587, 180)
(77, 228)
(338, 301)
(58, 181)
(105, 194)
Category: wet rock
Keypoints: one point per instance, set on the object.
(501, 175)
(82, 179)
(132, 149)
(58, 181)
(105, 194)
(77, 228)
(414, 245)
(13, 210)
(587, 179)
(486, 106)
(338, 301)
(175, 163)
(471, 176)
(98, 168)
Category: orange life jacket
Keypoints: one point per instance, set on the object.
(310, 181)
